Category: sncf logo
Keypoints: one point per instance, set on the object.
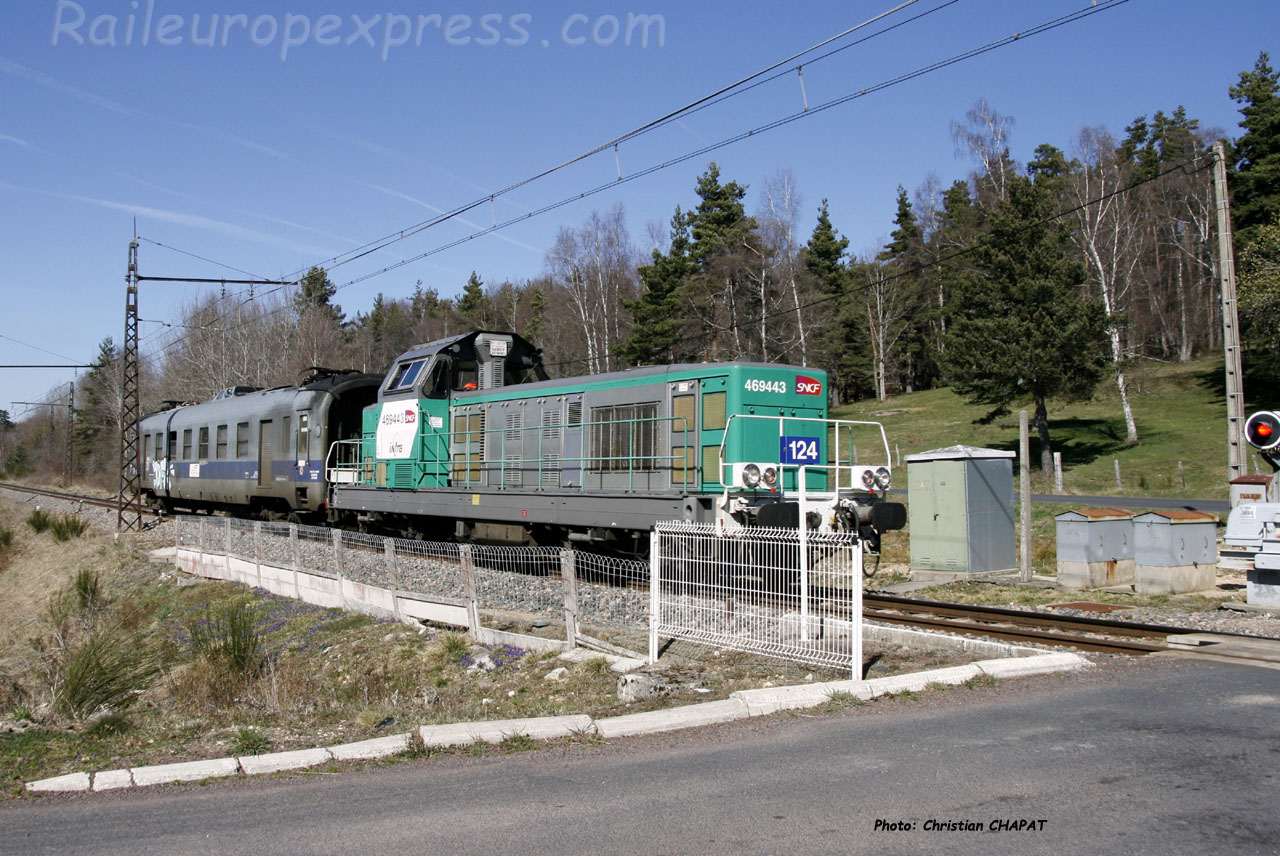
(808, 386)
(410, 416)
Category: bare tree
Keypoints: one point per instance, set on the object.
(887, 307)
(778, 219)
(1107, 233)
(984, 136)
(594, 266)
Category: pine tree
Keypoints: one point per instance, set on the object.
(655, 330)
(537, 316)
(1260, 310)
(1023, 328)
(904, 257)
(473, 305)
(841, 327)
(96, 435)
(1255, 186)
(715, 297)
(315, 291)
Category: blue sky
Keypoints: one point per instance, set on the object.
(306, 130)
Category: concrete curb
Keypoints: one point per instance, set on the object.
(739, 705)
(495, 731)
(188, 771)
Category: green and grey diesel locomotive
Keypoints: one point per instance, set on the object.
(466, 437)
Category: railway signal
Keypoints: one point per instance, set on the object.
(1263, 430)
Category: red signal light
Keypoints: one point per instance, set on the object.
(1263, 430)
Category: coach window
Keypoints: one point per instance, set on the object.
(202, 452)
(242, 440)
(222, 443)
(304, 435)
(285, 437)
(186, 444)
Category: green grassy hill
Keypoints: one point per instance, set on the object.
(1180, 411)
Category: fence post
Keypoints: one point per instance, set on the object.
(337, 561)
(293, 558)
(655, 593)
(1057, 472)
(1024, 495)
(201, 537)
(257, 550)
(855, 609)
(469, 587)
(569, 573)
(389, 547)
(226, 541)
(1119, 484)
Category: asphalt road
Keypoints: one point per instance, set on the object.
(1146, 757)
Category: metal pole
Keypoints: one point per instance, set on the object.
(129, 500)
(71, 426)
(1024, 498)
(804, 557)
(1236, 464)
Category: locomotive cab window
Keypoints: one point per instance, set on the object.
(466, 375)
(405, 374)
(437, 385)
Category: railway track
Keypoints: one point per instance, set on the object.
(96, 501)
(1012, 625)
(1015, 625)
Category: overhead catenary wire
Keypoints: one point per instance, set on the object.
(366, 249)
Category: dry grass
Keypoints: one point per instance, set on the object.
(312, 676)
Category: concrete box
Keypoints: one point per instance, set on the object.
(1095, 548)
(961, 520)
(1250, 489)
(1175, 551)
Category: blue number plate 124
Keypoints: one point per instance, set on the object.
(799, 450)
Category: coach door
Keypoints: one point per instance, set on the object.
(684, 435)
(266, 451)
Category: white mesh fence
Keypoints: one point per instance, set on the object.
(611, 591)
(777, 592)
(756, 590)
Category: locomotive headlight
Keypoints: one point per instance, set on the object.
(770, 477)
(882, 478)
(751, 475)
(868, 479)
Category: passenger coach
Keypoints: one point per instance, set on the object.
(257, 449)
